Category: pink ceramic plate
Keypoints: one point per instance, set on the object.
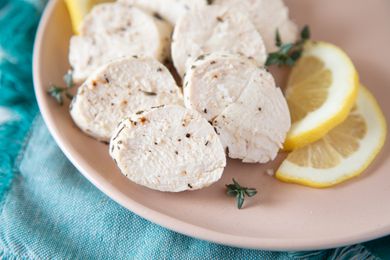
(282, 216)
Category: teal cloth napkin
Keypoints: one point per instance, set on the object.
(48, 210)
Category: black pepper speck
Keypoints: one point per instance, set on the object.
(201, 57)
(158, 16)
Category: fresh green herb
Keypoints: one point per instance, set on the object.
(305, 33)
(236, 190)
(57, 92)
(288, 53)
(68, 79)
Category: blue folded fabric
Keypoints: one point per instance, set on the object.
(48, 210)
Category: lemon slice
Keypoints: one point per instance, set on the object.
(79, 8)
(344, 152)
(321, 91)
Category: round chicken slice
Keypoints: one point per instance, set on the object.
(169, 10)
(119, 89)
(113, 31)
(215, 28)
(267, 16)
(169, 148)
(249, 113)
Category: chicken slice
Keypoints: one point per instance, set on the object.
(119, 89)
(169, 148)
(215, 28)
(116, 30)
(249, 113)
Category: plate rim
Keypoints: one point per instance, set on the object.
(156, 217)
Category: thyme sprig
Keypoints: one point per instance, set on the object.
(236, 190)
(58, 92)
(288, 53)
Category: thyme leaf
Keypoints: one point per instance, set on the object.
(68, 79)
(57, 92)
(236, 190)
(288, 53)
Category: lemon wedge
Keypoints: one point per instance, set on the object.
(79, 8)
(345, 152)
(321, 91)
